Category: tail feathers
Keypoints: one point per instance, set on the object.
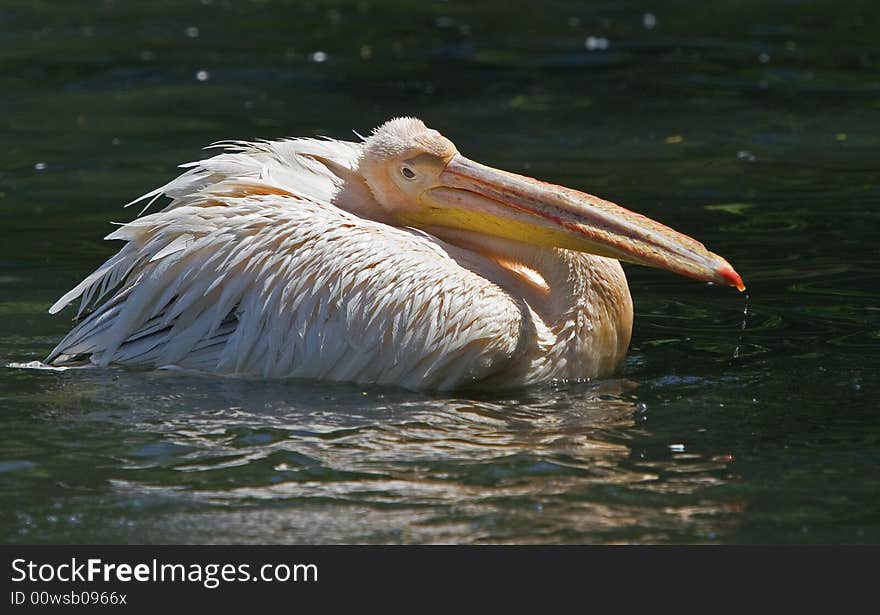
(69, 360)
(147, 347)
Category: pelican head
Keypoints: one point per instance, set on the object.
(420, 179)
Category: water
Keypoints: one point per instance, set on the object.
(737, 418)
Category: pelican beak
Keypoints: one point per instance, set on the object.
(475, 196)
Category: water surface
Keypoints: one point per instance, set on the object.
(736, 418)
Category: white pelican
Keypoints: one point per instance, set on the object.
(396, 260)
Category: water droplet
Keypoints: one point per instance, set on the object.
(40, 166)
(649, 21)
(203, 75)
(745, 155)
(116, 141)
(192, 32)
(318, 56)
(596, 43)
(764, 57)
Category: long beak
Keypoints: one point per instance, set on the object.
(558, 216)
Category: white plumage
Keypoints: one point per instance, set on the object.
(280, 259)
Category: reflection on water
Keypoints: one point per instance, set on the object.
(186, 458)
(737, 418)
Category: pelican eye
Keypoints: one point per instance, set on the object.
(407, 172)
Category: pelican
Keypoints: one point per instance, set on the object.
(393, 260)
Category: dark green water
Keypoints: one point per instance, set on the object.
(737, 418)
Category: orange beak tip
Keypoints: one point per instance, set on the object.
(731, 277)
